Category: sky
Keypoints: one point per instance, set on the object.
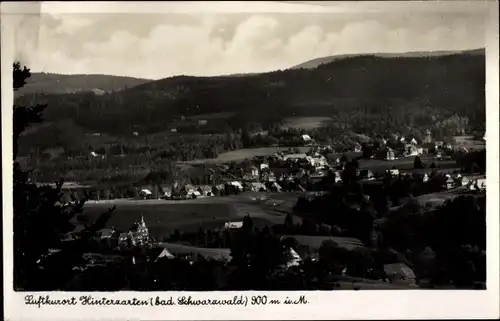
(166, 42)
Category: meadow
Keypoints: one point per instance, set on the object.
(375, 165)
(212, 116)
(471, 144)
(315, 242)
(179, 249)
(242, 154)
(304, 122)
(404, 164)
(163, 217)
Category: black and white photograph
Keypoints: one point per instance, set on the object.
(269, 151)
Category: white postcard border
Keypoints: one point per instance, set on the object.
(390, 304)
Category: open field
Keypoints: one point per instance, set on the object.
(404, 164)
(179, 249)
(468, 142)
(315, 242)
(242, 154)
(164, 217)
(365, 284)
(471, 145)
(67, 185)
(437, 199)
(434, 200)
(375, 165)
(430, 201)
(212, 116)
(304, 122)
(331, 157)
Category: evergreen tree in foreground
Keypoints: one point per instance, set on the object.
(40, 220)
(417, 163)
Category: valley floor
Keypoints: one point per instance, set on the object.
(163, 217)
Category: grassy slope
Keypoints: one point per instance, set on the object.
(246, 153)
(63, 84)
(163, 217)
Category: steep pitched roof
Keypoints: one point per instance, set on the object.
(399, 270)
(165, 254)
(205, 188)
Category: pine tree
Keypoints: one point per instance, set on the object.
(417, 164)
(289, 226)
(247, 223)
(40, 221)
(155, 192)
(246, 139)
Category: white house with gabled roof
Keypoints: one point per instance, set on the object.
(165, 254)
(306, 138)
(294, 157)
(233, 225)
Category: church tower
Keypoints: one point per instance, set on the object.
(142, 230)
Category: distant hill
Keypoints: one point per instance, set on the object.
(367, 89)
(66, 84)
(314, 63)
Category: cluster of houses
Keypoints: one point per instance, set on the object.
(307, 247)
(258, 177)
(442, 150)
(396, 273)
(451, 179)
(138, 235)
(400, 147)
(284, 169)
(471, 182)
(190, 191)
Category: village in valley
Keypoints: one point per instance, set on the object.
(321, 171)
(292, 170)
(285, 171)
(313, 207)
(300, 176)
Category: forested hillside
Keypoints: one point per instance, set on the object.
(383, 91)
(314, 63)
(66, 84)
